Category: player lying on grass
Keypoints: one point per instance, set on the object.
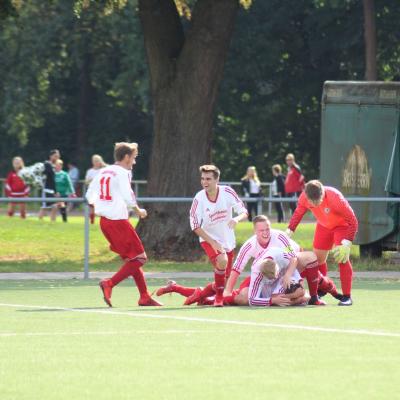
(211, 218)
(264, 238)
(273, 272)
(336, 226)
(111, 194)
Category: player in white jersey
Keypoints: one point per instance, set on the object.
(211, 218)
(111, 194)
(273, 272)
(263, 238)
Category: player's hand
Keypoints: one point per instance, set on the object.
(217, 247)
(227, 293)
(341, 253)
(289, 232)
(280, 300)
(286, 280)
(141, 213)
(72, 195)
(232, 223)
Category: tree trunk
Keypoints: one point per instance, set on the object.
(370, 40)
(185, 71)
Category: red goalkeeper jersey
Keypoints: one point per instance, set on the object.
(333, 212)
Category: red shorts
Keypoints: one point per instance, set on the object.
(122, 237)
(212, 255)
(325, 238)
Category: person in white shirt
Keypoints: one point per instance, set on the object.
(273, 273)
(111, 194)
(251, 187)
(97, 164)
(263, 238)
(211, 218)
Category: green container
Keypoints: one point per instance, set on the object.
(360, 155)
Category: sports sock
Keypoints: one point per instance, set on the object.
(10, 213)
(63, 212)
(346, 277)
(326, 284)
(140, 280)
(126, 270)
(23, 214)
(219, 277)
(312, 276)
(183, 290)
(208, 291)
(323, 268)
(229, 300)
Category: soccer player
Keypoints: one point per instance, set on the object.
(111, 194)
(212, 220)
(336, 225)
(274, 271)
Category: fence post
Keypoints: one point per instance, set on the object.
(270, 197)
(86, 241)
(259, 205)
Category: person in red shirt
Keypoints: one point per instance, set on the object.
(294, 182)
(16, 187)
(336, 226)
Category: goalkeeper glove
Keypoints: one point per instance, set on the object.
(341, 253)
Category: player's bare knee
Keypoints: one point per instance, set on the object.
(142, 258)
(221, 261)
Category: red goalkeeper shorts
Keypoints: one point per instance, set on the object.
(325, 238)
(122, 237)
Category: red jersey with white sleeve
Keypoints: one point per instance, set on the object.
(333, 212)
(253, 249)
(15, 186)
(213, 216)
(261, 289)
(111, 193)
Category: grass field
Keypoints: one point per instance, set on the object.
(58, 341)
(38, 246)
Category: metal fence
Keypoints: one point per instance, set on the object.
(81, 200)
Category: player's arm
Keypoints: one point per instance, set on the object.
(289, 272)
(298, 214)
(93, 190)
(342, 207)
(243, 257)
(238, 206)
(124, 182)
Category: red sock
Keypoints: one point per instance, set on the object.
(126, 270)
(323, 268)
(208, 291)
(183, 290)
(23, 214)
(219, 277)
(327, 285)
(346, 277)
(312, 275)
(228, 300)
(10, 213)
(140, 280)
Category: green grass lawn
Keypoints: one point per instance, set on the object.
(58, 341)
(38, 246)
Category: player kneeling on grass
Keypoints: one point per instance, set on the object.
(263, 285)
(111, 194)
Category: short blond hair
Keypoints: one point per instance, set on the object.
(122, 149)
(261, 218)
(60, 162)
(210, 168)
(290, 156)
(268, 268)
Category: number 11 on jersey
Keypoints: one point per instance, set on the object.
(105, 188)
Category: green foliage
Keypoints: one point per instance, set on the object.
(269, 103)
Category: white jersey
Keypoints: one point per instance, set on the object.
(111, 193)
(252, 248)
(91, 174)
(261, 289)
(213, 216)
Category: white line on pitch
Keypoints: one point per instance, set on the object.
(211, 320)
(105, 333)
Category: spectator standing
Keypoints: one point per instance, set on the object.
(97, 164)
(251, 187)
(278, 189)
(49, 189)
(294, 183)
(64, 187)
(73, 173)
(16, 187)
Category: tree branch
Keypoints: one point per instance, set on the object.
(163, 38)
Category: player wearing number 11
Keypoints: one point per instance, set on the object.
(111, 194)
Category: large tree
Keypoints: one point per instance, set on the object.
(186, 61)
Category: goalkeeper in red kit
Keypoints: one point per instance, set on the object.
(336, 227)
